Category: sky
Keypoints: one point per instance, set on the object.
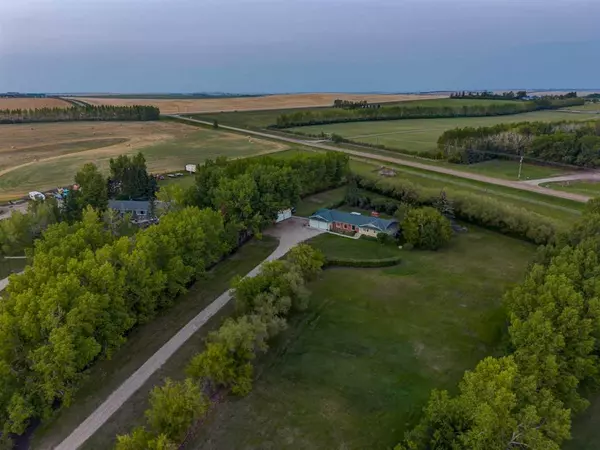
(269, 46)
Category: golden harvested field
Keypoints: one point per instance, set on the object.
(43, 156)
(168, 106)
(32, 103)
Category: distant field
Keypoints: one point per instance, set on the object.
(595, 107)
(262, 119)
(45, 156)
(422, 134)
(32, 103)
(170, 106)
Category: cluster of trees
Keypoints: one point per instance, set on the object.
(250, 192)
(262, 305)
(338, 115)
(75, 113)
(485, 212)
(527, 398)
(349, 104)
(426, 228)
(86, 288)
(488, 95)
(129, 179)
(572, 143)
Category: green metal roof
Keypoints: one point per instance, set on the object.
(333, 215)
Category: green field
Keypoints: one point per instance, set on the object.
(262, 119)
(355, 371)
(343, 248)
(422, 134)
(105, 376)
(589, 188)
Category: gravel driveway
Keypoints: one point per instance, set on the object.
(290, 233)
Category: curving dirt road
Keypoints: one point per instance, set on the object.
(417, 165)
(290, 233)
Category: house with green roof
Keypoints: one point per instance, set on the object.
(345, 222)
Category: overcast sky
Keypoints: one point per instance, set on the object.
(297, 45)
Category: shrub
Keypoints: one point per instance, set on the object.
(174, 407)
(385, 239)
(426, 228)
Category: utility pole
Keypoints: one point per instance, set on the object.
(520, 166)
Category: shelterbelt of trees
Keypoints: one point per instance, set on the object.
(77, 113)
(527, 398)
(338, 115)
(573, 143)
(88, 284)
(485, 212)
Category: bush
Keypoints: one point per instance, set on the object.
(174, 407)
(426, 228)
(385, 239)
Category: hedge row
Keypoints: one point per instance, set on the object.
(366, 263)
(476, 209)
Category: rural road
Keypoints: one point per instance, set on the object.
(583, 176)
(417, 165)
(290, 233)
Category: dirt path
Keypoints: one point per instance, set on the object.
(290, 233)
(403, 162)
(581, 176)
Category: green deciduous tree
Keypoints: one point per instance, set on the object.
(426, 228)
(174, 407)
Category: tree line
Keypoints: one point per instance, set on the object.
(349, 104)
(92, 280)
(485, 212)
(77, 113)
(263, 304)
(528, 398)
(339, 115)
(489, 95)
(572, 143)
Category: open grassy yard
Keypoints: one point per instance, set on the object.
(312, 203)
(591, 188)
(45, 156)
(105, 376)
(355, 370)
(422, 134)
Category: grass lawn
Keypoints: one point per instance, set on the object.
(312, 203)
(339, 247)
(590, 188)
(355, 371)
(422, 134)
(563, 211)
(508, 170)
(105, 376)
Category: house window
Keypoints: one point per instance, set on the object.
(141, 212)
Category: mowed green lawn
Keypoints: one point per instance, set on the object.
(172, 155)
(422, 134)
(356, 369)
